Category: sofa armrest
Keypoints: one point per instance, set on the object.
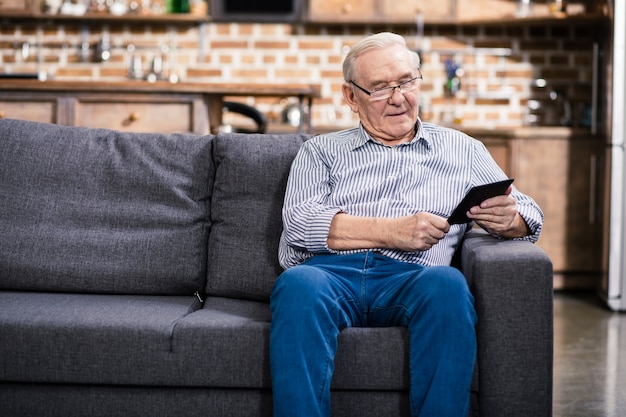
(513, 288)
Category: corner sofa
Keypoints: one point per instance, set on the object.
(135, 273)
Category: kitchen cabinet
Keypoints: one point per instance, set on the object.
(165, 113)
(377, 11)
(349, 11)
(485, 9)
(405, 11)
(138, 106)
(19, 14)
(561, 169)
(563, 175)
(501, 151)
(341, 10)
(142, 113)
(28, 107)
(447, 12)
(506, 11)
(12, 5)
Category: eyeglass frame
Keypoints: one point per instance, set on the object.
(393, 89)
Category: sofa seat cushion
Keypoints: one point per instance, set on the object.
(101, 211)
(232, 338)
(250, 180)
(91, 338)
(170, 341)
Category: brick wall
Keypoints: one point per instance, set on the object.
(499, 62)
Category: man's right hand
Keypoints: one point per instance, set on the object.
(418, 232)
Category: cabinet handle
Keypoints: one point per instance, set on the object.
(593, 162)
(133, 117)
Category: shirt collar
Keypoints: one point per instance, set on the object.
(421, 136)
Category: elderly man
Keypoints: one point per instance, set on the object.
(366, 240)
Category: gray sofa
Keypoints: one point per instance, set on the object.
(135, 271)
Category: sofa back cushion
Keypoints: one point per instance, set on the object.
(250, 180)
(102, 211)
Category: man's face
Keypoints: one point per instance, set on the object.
(391, 120)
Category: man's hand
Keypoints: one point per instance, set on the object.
(417, 232)
(499, 216)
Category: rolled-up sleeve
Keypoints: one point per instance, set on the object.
(306, 212)
(485, 169)
(532, 215)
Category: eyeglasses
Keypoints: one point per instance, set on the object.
(387, 92)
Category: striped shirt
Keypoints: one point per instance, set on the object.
(350, 172)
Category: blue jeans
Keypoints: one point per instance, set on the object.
(312, 302)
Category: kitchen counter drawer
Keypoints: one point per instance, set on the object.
(135, 113)
(36, 110)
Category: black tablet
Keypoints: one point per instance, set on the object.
(475, 196)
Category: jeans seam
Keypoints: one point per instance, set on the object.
(327, 380)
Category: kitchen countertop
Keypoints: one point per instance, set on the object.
(140, 86)
(528, 132)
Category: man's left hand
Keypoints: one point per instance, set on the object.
(499, 216)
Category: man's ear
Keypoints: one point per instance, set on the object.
(348, 95)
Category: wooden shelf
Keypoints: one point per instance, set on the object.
(168, 18)
(188, 18)
(578, 19)
(136, 86)
(546, 19)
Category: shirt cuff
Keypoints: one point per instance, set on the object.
(316, 239)
(534, 221)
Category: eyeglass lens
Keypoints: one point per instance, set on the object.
(405, 87)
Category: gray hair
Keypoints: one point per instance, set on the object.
(380, 40)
